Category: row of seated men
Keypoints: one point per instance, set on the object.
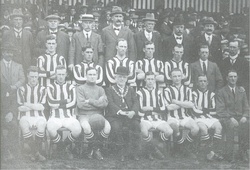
(165, 110)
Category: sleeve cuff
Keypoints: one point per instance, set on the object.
(118, 113)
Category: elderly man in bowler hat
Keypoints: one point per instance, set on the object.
(82, 39)
(113, 32)
(122, 112)
(22, 39)
(12, 77)
(149, 34)
(62, 38)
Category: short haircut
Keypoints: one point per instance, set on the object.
(86, 47)
(119, 40)
(61, 67)
(175, 69)
(32, 69)
(147, 43)
(204, 46)
(178, 46)
(90, 68)
(201, 75)
(232, 71)
(50, 37)
(149, 73)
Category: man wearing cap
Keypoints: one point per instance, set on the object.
(149, 34)
(179, 36)
(122, 113)
(113, 32)
(166, 28)
(22, 40)
(81, 39)
(12, 77)
(62, 39)
(213, 41)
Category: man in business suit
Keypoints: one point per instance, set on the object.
(82, 39)
(237, 62)
(178, 37)
(12, 77)
(208, 68)
(233, 109)
(166, 28)
(122, 111)
(62, 39)
(22, 40)
(149, 34)
(113, 32)
(212, 40)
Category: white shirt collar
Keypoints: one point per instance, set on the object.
(175, 36)
(201, 61)
(6, 62)
(234, 57)
(210, 36)
(55, 31)
(117, 27)
(18, 30)
(85, 32)
(232, 88)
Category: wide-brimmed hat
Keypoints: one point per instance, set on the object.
(117, 10)
(87, 17)
(209, 20)
(122, 71)
(8, 47)
(178, 20)
(17, 13)
(53, 16)
(149, 17)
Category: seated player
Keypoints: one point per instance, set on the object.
(62, 101)
(80, 69)
(122, 113)
(152, 109)
(120, 60)
(178, 62)
(204, 112)
(149, 63)
(178, 101)
(48, 62)
(31, 97)
(91, 102)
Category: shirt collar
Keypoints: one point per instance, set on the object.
(55, 31)
(206, 36)
(201, 61)
(85, 32)
(114, 27)
(178, 36)
(147, 33)
(234, 57)
(6, 62)
(18, 30)
(231, 88)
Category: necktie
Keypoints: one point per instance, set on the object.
(18, 35)
(233, 93)
(232, 61)
(87, 35)
(204, 68)
(209, 40)
(8, 71)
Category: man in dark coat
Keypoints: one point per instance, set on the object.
(122, 112)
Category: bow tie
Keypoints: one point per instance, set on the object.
(117, 29)
(179, 38)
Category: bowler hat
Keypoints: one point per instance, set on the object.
(178, 20)
(17, 13)
(209, 20)
(122, 71)
(117, 10)
(149, 17)
(53, 16)
(87, 17)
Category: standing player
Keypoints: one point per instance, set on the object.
(91, 102)
(120, 60)
(31, 98)
(49, 61)
(80, 69)
(152, 109)
(62, 101)
(178, 100)
(205, 113)
(149, 63)
(177, 62)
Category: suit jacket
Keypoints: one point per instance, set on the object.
(170, 42)
(166, 30)
(62, 40)
(109, 39)
(214, 47)
(229, 106)
(24, 48)
(78, 41)
(115, 102)
(215, 81)
(140, 39)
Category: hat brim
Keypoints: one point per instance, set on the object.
(49, 18)
(113, 13)
(214, 23)
(147, 19)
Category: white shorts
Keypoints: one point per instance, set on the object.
(180, 122)
(33, 120)
(152, 123)
(207, 121)
(62, 122)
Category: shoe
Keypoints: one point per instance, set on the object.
(150, 157)
(159, 154)
(68, 153)
(122, 158)
(98, 154)
(40, 157)
(90, 154)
